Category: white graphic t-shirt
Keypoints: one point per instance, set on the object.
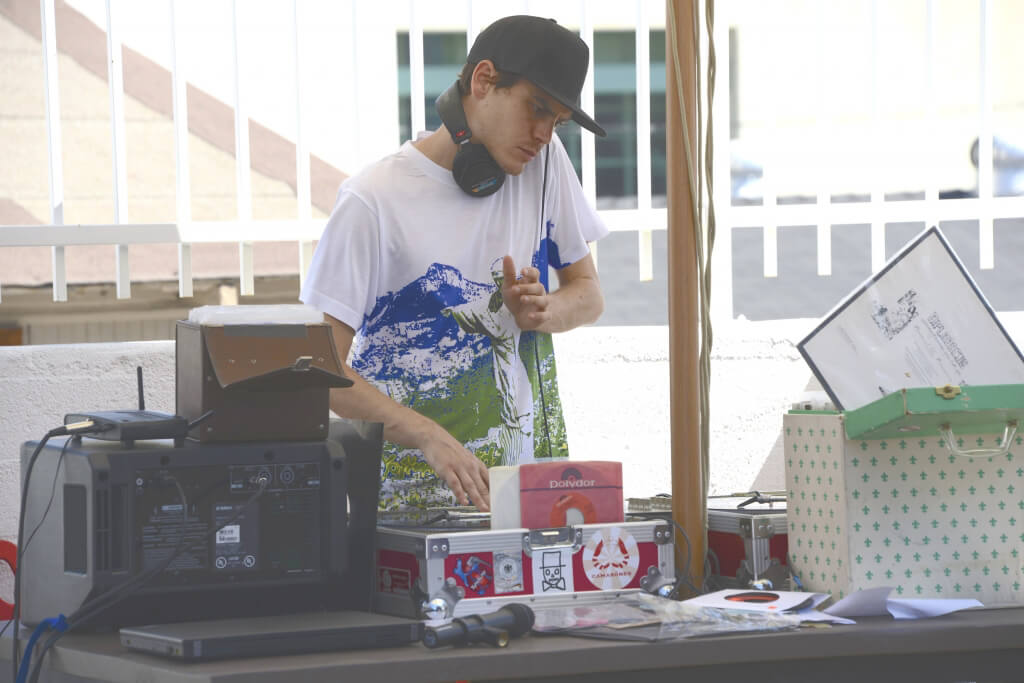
(414, 265)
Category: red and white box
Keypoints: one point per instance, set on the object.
(568, 493)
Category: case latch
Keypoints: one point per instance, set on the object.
(547, 539)
(949, 391)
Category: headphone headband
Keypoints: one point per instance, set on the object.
(453, 116)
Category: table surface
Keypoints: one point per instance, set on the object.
(975, 645)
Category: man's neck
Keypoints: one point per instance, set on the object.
(438, 147)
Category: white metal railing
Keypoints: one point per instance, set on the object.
(877, 211)
(182, 176)
(115, 77)
(244, 230)
(54, 145)
(643, 220)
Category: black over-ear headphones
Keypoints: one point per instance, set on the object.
(474, 169)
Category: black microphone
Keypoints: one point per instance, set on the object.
(495, 628)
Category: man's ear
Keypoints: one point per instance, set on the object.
(485, 75)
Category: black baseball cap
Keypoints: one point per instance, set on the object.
(551, 56)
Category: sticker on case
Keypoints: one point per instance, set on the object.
(508, 573)
(611, 558)
(475, 574)
(552, 571)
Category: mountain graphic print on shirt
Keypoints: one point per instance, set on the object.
(448, 348)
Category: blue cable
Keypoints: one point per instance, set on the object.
(58, 623)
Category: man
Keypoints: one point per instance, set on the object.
(456, 363)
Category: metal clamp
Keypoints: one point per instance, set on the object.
(441, 604)
(657, 584)
(558, 537)
(437, 548)
(302, 363)
(759, 528)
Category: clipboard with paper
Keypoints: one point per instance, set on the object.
(920, 321)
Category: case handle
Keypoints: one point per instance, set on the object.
(551, 539)
(1008, 433)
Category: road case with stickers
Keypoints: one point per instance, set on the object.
(438, 572)
(748, 537)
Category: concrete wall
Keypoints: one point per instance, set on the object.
(39, 384)
(42, 383)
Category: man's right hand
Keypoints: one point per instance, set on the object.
(465, 475)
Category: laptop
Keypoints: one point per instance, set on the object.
(268, 636)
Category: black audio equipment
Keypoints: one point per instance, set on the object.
(201, 530)
(495, 628)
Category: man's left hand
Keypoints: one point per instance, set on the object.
(524, 295)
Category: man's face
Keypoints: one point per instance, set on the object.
(515, 123)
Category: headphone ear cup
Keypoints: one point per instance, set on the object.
(476, 171)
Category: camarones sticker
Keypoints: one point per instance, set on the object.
(611, 558)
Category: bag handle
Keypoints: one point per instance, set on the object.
(1008, 433)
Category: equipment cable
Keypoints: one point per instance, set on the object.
(76, 428)
(53, 491)
(683, 577)
(536, 334)
(96, 606)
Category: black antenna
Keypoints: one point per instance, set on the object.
(142, 398)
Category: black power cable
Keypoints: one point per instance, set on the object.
(76, 428)
(683, 576)
(96, 606)
(53, 492)
(536, 335)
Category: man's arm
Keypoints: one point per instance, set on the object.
(465, 475)
(577, 301)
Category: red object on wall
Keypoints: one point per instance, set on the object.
(8, 554)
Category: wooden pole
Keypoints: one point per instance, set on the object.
(689, 499)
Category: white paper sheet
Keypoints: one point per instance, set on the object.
(813, 615)
(875, 602)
